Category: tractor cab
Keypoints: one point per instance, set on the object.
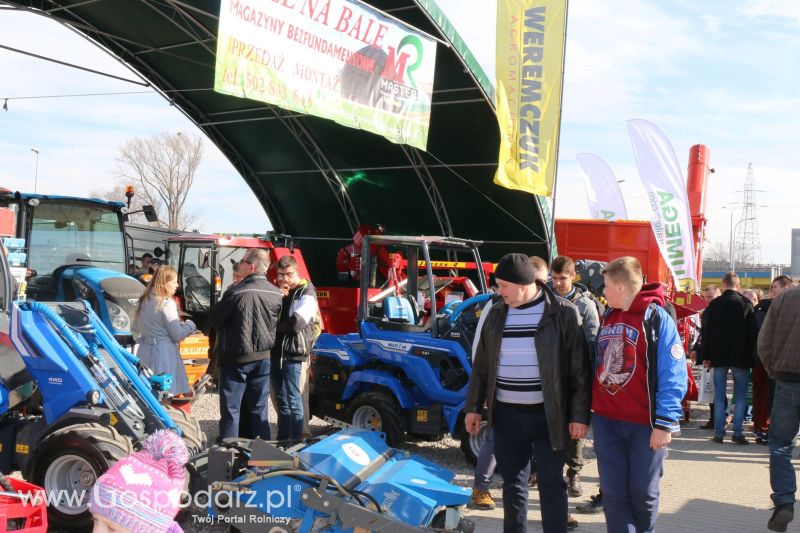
(414, 284)
(65, 248)
(205, 264)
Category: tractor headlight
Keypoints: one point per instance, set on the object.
(119, 318)
(93, 397)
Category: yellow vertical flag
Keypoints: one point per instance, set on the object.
(530, 59)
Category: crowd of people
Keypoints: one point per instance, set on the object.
(551, 355)
(550, 361)
(263, 339)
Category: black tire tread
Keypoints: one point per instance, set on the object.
(193, 436)
(391, 415)
(105, 439)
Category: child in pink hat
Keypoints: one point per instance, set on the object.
(142, 492)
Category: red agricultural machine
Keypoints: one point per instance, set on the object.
(603, 240)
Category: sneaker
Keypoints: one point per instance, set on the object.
(574, 487)
(572, 523)
(594, 506)
(481, 499)
(532, 481)
(781, 516)
(718, 440)
(740, 439)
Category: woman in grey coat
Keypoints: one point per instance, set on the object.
(159, 329)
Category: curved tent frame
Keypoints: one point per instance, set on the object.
(318, 180)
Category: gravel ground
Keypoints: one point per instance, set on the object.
(446, 453)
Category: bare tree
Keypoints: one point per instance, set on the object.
(162, 168)
(717, 256)
(716, 252)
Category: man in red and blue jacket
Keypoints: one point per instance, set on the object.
(640, 379)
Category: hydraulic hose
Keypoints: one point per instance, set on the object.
(123, 357)
(61, 326)
(118, 397)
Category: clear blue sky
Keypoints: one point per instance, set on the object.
(718, 72)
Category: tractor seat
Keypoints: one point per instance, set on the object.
(399, 309)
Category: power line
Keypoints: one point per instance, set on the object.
(71, 95)
(72, 65)
(78, 95)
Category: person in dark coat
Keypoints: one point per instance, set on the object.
(298, 329)
(763, 387)
(728, 339)
(245, 319)
(531, 371)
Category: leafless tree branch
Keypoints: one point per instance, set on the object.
(163, 168)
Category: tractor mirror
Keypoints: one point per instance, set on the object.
(149, 213)
(157, 251)
(204, 261)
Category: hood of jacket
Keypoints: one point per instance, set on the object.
(651, 292)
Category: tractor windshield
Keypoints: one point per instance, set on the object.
(66, 232)
(227, 256)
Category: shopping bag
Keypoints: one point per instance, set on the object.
(705, 394)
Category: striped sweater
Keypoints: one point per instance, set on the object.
(518, 378)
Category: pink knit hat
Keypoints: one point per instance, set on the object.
(142, 491)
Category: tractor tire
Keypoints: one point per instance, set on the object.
(194, 437)
(71, 459)
(377, 411)
(471, 444)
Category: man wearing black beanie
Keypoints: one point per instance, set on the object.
(532, 372)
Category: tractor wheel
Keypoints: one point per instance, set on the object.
(471, 444)
(193, 436)
(377, 411)
(68, 462)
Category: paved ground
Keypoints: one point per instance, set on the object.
(706, 487)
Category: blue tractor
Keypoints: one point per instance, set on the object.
(406, 369)
(68, 248)
(73, 401)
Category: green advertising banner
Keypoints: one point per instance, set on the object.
(335, 59)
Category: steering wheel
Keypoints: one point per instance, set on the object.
(460, 307)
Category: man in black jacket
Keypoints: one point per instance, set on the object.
(246, 319)
(298, 328)
(727, 341)
(532, 372)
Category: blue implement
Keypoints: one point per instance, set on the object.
(347, 480)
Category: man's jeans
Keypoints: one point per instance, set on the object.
(287, 385)
(741, 379)
(518, 435)
(783, 427)
(235, 381)
(486, 464)
(575, 457)
(630, 474)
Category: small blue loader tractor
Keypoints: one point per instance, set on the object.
(73, 401)
(406, 369)
(67, 248)
(348, 481)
